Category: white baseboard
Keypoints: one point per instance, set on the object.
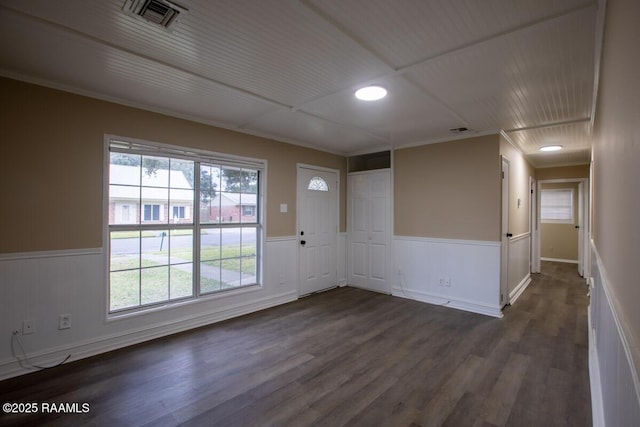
(568, 261)
(80, 350)
(522, 286)
(446, 301)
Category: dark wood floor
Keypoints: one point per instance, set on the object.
(346, 356)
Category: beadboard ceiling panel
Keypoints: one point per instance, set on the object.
(405, 33)
(406, 115)
(287, 69)
(75, 62)
(292, 126)
(272, 48)
(574, 137)
(538, 75)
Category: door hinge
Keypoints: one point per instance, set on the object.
(502, 174)
(501, 297)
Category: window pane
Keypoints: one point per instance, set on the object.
(209, 187)
(181, 284)
(155, 202)
(227, 209)
(231, 179)
(124, 169)
(123, 204)
(155, 172)
(231, 242)
(210, 244)
(181, 174)
(210, 276)
(249, 181)
(248, 270)
(249, 241)
(181, 249)
(124, 291)
(230, 273)
(125, 250)
(181, 211)
(248, 208)
(154, 284)
(155, 248)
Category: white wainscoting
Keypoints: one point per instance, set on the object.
(615, 389)
(519, 275)
(472, 268)
(342, 259)
(41, 286)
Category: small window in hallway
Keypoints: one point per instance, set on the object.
(556, 205)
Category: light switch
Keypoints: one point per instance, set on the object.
(284, 208)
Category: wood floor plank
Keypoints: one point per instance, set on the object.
(343, 357)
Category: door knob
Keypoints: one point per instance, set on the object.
(303, 242)
(509, 234)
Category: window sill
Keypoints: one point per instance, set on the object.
(164, 307)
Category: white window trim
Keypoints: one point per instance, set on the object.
(139, 146)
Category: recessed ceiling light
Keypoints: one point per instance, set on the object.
(371, 93)
(551, 148)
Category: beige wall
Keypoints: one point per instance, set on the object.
(565, 172)
(448, 190)
(520, 170)
(616, 173)
(51, 165)
(560, 240)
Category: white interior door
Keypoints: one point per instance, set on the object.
(317, 229)
(370, 230)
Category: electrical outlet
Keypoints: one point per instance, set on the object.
(64, 321)
(28, 326)
(445, 281)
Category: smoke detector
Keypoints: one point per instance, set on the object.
(163, 13)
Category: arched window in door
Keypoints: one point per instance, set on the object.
(317, 184)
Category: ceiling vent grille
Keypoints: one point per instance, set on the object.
(462, 131)
(163, 13)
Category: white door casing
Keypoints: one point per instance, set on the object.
(317, 214)
(584, 267)
(504, 256)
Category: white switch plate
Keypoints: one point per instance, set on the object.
(284, 208)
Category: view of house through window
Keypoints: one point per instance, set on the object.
(179, 227)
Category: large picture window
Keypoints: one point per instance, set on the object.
(182, 224)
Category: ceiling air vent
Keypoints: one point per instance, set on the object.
(160, 12)
(462, 131)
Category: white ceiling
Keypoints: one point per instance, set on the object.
(287, 69)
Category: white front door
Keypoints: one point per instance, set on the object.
(317, 229)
